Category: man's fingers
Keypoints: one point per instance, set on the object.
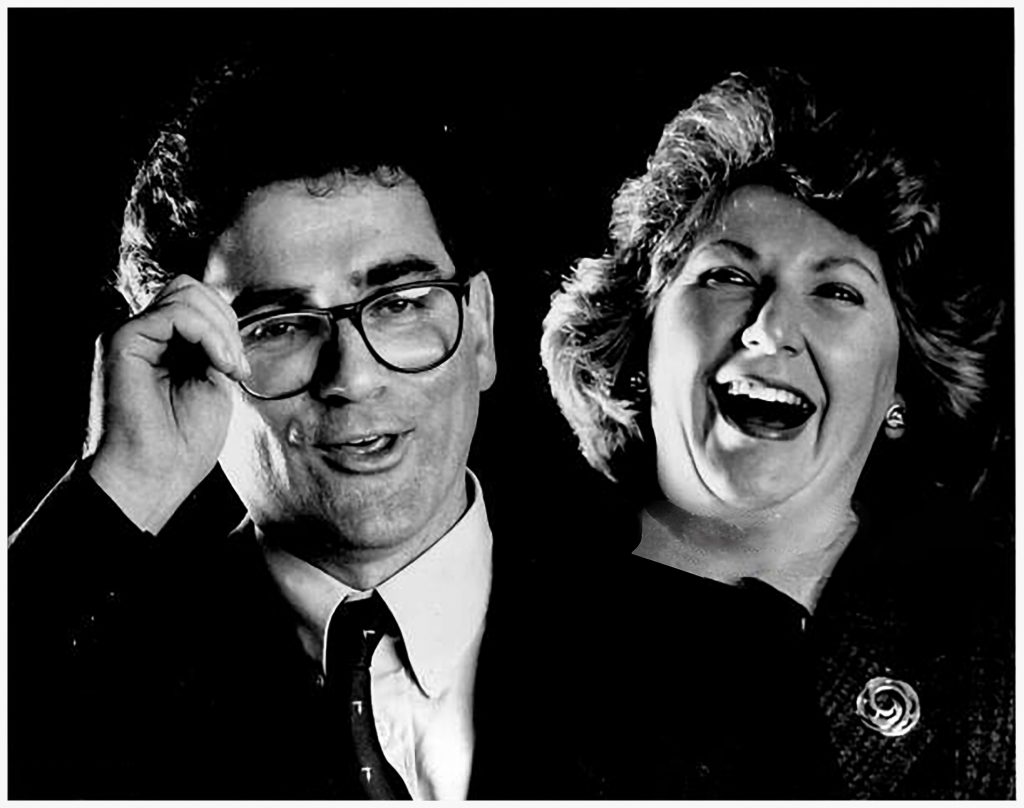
(197, 292)
(188, 289)
(193, 320)
(223, 348)
(189, 293)
(205, 301)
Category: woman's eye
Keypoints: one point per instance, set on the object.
(840, 292)
(724, 277)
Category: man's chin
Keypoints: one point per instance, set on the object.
(344, 532)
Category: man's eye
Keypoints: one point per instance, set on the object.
(840, 292)
(404, 304)
(725, 277)
(396, 305)
(279, 332)
(272, 330)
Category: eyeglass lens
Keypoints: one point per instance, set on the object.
(409, 329)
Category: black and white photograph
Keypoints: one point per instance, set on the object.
(510, 403)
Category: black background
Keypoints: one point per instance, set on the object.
(574, 101)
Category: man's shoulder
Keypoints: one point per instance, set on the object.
(155, 684)
(537, 656)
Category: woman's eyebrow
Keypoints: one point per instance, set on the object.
(742, 250)
(841, 260)
(750, 254)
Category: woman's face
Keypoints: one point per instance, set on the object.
(772, 361)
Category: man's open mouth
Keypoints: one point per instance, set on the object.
(370, 444)
(763, 410)
(368, 452)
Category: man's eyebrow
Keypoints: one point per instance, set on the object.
(399, 270)
(260, 296)
(252, 298)
(841, 260)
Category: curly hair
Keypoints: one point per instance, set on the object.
(260, 121)
(768, 130)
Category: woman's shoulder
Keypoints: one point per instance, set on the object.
(925, 599)
(945, 559)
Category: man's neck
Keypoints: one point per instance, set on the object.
(367, 569)
(795, 553)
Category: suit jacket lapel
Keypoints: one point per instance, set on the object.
(523, 699)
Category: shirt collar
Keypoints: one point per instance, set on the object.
(439, 600)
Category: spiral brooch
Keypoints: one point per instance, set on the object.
(889, 706)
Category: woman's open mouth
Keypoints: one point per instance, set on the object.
(761, 409)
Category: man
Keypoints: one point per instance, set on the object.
(302, 314)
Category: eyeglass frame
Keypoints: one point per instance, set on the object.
(353, 312)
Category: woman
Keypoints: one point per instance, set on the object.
(772, 312)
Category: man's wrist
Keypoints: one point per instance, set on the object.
(148, 502)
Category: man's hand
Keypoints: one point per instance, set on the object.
(163, 397)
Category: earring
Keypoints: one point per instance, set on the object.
(636, 384)
(895, 420)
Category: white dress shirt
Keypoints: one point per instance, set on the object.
(423, 712)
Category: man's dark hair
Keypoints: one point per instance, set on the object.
(257, 122)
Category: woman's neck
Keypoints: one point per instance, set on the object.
(795, 553)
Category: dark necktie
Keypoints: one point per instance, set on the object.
(355, 630)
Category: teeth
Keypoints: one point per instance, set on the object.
(754, 389)
(370, 442)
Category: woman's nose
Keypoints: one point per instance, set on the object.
(347, 369)
(775, 327)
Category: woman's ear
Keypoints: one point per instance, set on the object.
(895, 421)
(480, 328)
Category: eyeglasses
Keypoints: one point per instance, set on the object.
(408, 328)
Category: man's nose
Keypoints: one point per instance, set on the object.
(775, 327)
(347, 369)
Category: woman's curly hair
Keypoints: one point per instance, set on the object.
(768, 131)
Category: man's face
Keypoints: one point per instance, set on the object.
(368, 459)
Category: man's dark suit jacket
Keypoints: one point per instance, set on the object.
(169, 667)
